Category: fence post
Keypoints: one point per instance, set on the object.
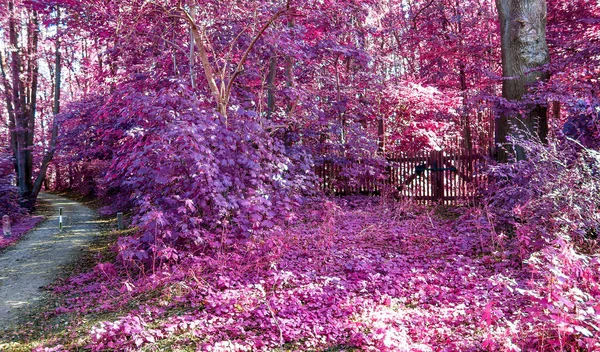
(436, 162)
(556, 110)
(60, 218)
(441, 176)
(120, 221)
(6, 226)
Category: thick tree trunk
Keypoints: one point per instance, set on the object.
(524, 51)
(19, 105)
(9, 109)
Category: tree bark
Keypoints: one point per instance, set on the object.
(380, 135)
(18, 102)
(37, 185)
(289, 74)
(9, 109)
(468, 143)
(271, 86)
(524, 52)
(339, 98)
(31, 96)
(192, 58)
(222, 93)
(466, 121)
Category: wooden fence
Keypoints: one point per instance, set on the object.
(447, 176)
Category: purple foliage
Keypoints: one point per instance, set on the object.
(551, 206)
(184, 171)
(9, 196)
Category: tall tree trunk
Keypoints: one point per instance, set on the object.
(289, 73)
(466, 121)
(31, 102)
(338, 101)
(55, 110)
(468, 143)
(271, 86)
(381, 135)
(18, 101)
(192, 57)
(524, 51)
(9, 109)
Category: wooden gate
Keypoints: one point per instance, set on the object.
(437, 176)
(448, 177)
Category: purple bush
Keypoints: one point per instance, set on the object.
(550, 202)
(9, 196)
(182, 171)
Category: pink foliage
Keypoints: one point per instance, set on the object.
(20, 225)
(9, 196)
(548, 206)
(350, 277)
(232, 253)
(183, 171)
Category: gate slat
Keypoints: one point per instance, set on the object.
(430, 186)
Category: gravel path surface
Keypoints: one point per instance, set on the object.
(38, 257)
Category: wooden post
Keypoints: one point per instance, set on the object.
(6, 226)
(437, 176)
(120, 221)
(60, 218)
(380, 136)
(441, 174)
(556, 110)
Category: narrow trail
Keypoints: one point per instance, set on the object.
(40, 255)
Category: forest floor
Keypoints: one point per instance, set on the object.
(36, 260)
(349, 274)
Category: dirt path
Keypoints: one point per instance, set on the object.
(39, 256)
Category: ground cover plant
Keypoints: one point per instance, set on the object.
(354, 274)
(237, 137)
(8, 192)
(346, 278)
(19, 227)
(9, 204)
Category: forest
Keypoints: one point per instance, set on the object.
(302, 175)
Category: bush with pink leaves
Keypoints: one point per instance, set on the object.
(9, 196)
(551, 206)
(182, 170)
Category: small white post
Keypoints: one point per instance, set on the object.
(60, 218)
(6, 226)
(120, 221)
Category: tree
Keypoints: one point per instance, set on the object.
(22, 85)
(524, 53)
(37, 185)
(222, 92)
(20, 78)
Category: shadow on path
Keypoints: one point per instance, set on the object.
(39, 256)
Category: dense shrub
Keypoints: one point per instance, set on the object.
(584, 126)
(183, 171)
(353, 162)
(551, 206)
(9, 196)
